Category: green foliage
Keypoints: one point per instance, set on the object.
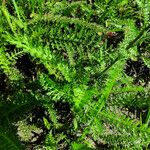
(9, 141)
(71, 59)
(76, 146)
(8, 66)
(129, 132)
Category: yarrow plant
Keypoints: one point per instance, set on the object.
(75, 73)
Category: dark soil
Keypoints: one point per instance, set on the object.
(138, 70)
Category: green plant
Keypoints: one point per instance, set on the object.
(71, 59)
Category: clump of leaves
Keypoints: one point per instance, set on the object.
(77, 67)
